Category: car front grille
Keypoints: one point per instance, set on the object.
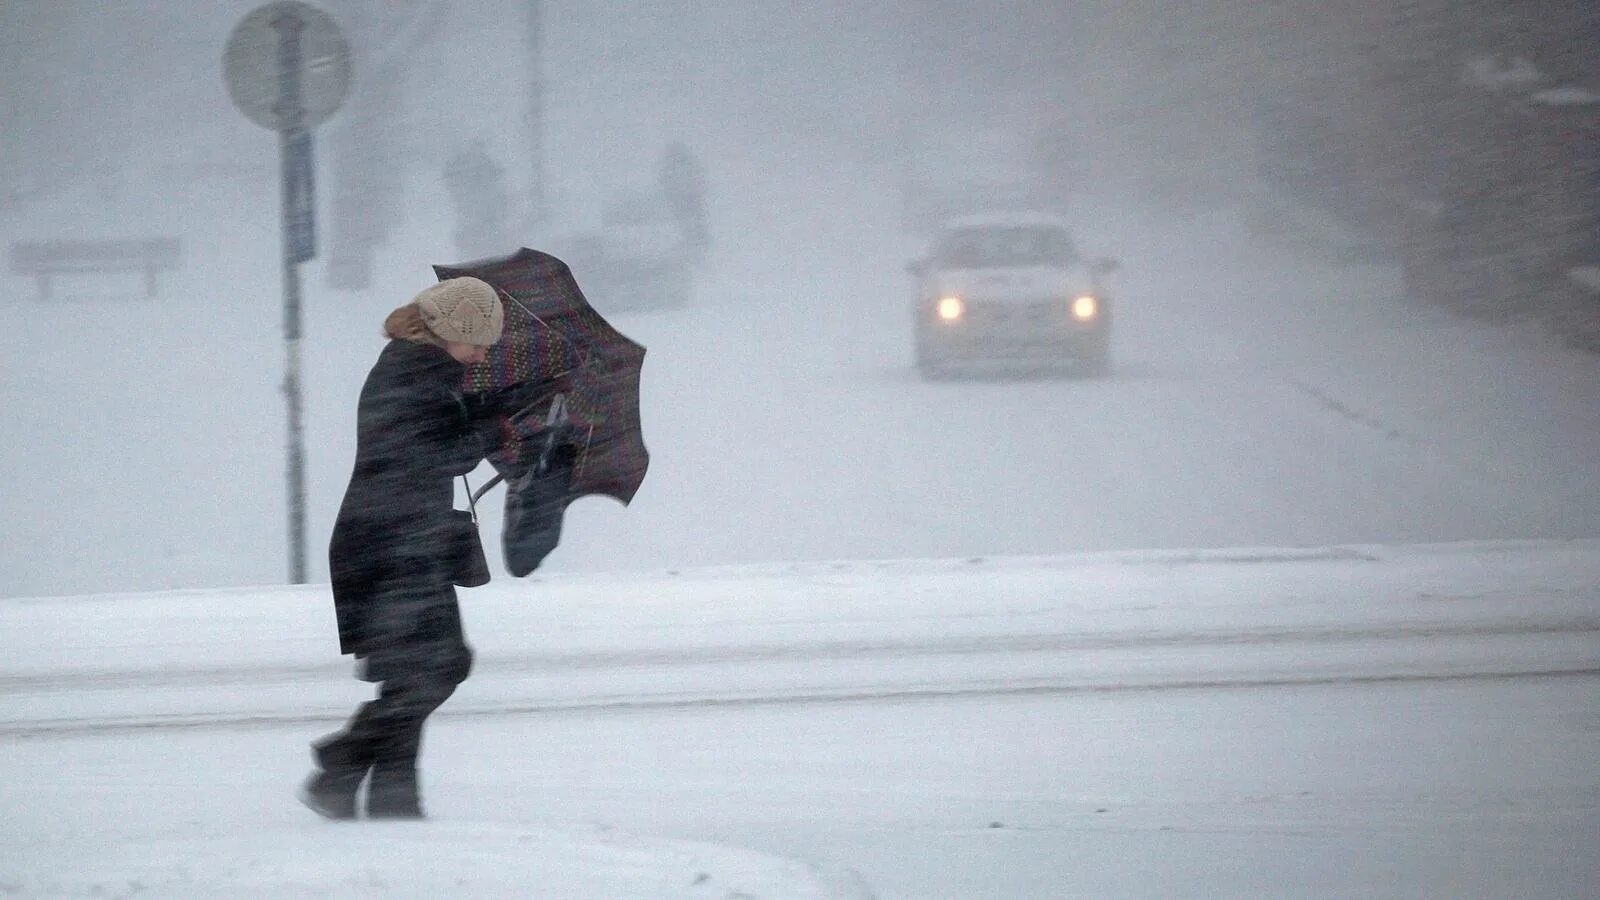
(1013, 314)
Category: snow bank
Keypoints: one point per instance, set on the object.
(808, 631)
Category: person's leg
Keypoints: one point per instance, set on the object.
(436, 660)
(407, 702)
(345, 757)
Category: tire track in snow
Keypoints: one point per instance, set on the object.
(1371, 422)
(898, 694)
(1335, 405)
(568, 661)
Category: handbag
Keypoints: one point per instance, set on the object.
(535, 505)
(536, 501)
(468, 566)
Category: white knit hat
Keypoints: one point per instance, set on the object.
(462, 309)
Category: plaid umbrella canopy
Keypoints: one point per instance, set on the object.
(555, 343)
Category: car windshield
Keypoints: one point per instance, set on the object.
(979, 248)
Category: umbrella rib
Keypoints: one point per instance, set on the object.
(588, 441)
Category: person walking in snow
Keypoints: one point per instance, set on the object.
(389, 557)
(477, 188)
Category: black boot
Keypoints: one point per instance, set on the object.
(392, 793)
(343, 761)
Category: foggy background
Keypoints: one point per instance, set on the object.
(1315, 207)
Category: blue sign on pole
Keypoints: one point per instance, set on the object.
(299, 197)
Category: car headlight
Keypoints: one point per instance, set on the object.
(950, 308)
(1085, 308)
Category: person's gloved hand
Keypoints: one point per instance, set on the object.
(483, 405)
(474, 404)
(490, 430)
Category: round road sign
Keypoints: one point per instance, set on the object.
(254, 64)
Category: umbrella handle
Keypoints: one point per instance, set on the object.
(478, 494)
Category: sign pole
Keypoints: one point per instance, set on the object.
(534, 24)
(291, 390)
(295, 152)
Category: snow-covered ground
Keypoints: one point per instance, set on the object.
(1342, 721)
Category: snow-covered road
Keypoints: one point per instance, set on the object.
(1346, 721)
(1258, 399)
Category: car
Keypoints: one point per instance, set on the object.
(1010, 291)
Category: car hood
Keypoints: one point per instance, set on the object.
(1029, 283)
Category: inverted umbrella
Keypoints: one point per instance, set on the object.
(580, 376)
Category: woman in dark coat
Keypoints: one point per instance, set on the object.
(393, 597)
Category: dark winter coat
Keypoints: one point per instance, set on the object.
(414, 436)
